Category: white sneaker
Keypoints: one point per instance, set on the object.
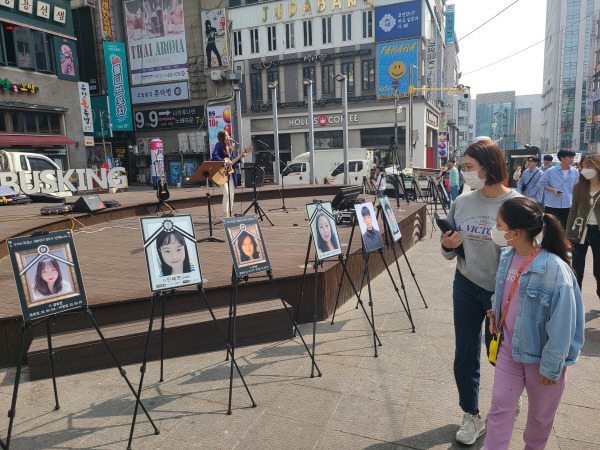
(472, 427)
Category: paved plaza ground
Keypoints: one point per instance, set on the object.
(405, 398)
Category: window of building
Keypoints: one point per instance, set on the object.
(31, 122)
(43, 50)
(328, 81)
(346, 27)
(25, 59)
(368, 75)
(380, 137)
(237, 43)
(367, 24)
(18, 122)
(234, 3)
(325, 140)
(26, 48)
(254, 40)
(272, 76)
(256, 87)
(55, 124)
(307, 24)
(348, 70)
(3, 126)
(289, 36)
(9, 44)
(309, 73)
(272, 38)
(326, 21)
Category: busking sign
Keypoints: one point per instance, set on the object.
(86, 107)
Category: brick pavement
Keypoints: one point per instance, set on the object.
(405, 398)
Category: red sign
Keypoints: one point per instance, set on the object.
(107, 34)
(323, 121)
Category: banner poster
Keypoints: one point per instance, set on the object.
(118, 86)
(157, 160)
(431, 70)
(171, 252)
(47, 274)
(101, 116)
(107, 34)
(449, 24)
(214, 32)
(246, 244)
(219, 118)
(65, 51)
(156, 41)
(394, 60)
(86, 107)
(402, 20)
(323, 230)
(390, 218)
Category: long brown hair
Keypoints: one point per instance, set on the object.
(221, 138)
(523, 213)
(40, 284)
(489, 155)
(581, 190)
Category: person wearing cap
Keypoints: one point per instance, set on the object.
(372, 237)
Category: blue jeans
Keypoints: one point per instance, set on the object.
(380, 192)
(454, 192)
(471, 303)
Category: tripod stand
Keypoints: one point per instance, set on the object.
(256, 175)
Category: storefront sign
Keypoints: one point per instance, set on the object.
(402, 20)
(433, 69)
(587, 136)
(86, 107)
(394, 61)
(449, 24)
(309, 59)
(118, 86)
(107, 34)
(189, 117)
(442, 145)
(25, 88)
(157, 93)
(214, 31)
(219, 118)
(88, 141)
(156, 41)
(307, 8)
(431, 118)
(322, 120)
(101, 117)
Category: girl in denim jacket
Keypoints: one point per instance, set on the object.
(542, 324)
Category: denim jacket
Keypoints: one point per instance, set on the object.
(550, 320)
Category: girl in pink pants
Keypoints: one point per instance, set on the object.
(538, 317)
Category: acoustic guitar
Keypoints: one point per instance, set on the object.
(162, 190)
(222, 175)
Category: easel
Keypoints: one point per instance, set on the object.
(204, 173)
(256, 178)
(31, 324)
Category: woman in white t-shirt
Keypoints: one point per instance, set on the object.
(380, 182)
(582, 224)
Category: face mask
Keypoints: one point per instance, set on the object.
(499, 237)
(473, 180)
(589, 173)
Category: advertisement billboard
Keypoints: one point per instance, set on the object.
(156, 41)
(449, 24)
(219, 118)
(118, 86)
(402, 20)
(214, 32)
(394, 61)
(158, 93)
(86, 107)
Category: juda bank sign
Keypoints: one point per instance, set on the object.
(337, 119)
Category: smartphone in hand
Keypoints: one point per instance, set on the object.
(559, 193)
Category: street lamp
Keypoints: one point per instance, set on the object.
(273, 85)
(344, 80)
(102, 131)
(307, 82)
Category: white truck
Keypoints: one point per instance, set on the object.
(329, 166)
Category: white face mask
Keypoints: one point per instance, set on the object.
(499, 237)
(589, 173)
(473, 180)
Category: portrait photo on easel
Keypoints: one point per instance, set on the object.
(323, 230)
(171, 252)
(388, 213)
(47, 274)
(246, 244)
(369, 228)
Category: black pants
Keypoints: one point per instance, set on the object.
(562, 214)
(580, 251)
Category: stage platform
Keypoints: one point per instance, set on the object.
(109, 247)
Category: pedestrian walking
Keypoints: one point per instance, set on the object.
(453, 179)
(582, 225)
(538, 317)
(529, 182)
(473, 215)
(380, 181)
(558, 184)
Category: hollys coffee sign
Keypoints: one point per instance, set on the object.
(336, 119)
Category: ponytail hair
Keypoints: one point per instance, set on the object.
(523, 213)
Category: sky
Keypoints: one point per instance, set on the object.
(520, 26)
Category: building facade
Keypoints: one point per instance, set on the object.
(495, 117)
(528, 110)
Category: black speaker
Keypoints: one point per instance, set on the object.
(88, 204)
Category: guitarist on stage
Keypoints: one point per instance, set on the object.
(224, 149)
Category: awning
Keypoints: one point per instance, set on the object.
(11, 139)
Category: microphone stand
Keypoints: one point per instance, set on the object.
(282, 190)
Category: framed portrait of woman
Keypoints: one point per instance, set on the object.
(323, 230)
(392, 223)
(47, 274)
(171, 252)
(247, 245)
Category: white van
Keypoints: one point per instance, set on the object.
(329, 166)
(16, 162)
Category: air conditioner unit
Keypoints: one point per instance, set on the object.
(184, 142)
(144, 146)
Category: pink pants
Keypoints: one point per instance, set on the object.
(509, 380)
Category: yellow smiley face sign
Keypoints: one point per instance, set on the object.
(397, 70)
